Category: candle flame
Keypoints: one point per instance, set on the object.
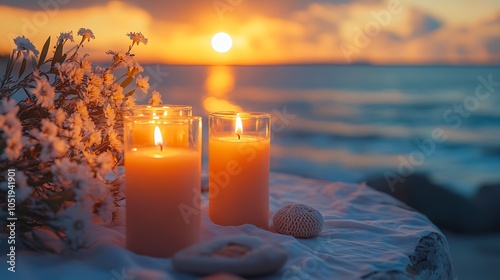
(239, 126)
(158, 138)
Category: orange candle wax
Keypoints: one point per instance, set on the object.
(239, 179)
(160, 181)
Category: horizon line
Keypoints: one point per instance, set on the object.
(358, 63)
(332, 64)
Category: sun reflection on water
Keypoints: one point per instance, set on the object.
(218, 85)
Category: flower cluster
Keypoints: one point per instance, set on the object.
(61, 130)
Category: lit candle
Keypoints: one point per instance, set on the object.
(239, 169)
(160, 181)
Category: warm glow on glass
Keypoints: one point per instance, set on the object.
(222, 42)
(158, 138)
(239, 126)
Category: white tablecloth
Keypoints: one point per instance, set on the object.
(366, 235)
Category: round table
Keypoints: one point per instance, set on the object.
(366, 235)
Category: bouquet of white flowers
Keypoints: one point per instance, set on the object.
(61, 132)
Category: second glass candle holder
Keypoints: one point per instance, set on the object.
(239, 167)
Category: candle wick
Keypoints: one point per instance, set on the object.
(161, 148)
(238, 136)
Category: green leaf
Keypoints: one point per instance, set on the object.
(130, 93)
(127, 81)
(23, 67)
(57, 55)
(44, 52)
(8, 69)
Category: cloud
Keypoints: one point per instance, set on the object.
(493, 45)
(194, 10)
(264, 32)
(38, 25)
(421, 23)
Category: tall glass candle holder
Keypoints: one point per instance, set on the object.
(239, 152)
(162, 183)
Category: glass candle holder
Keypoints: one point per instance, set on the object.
(171, 110)
(173, 135)
(239, 156)
(162, 184)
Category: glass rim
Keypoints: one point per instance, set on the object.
(222, 114)
(162, 106)
(161, 117)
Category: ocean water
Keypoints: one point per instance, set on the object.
(346, 123)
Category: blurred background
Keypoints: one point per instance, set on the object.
(402, 94)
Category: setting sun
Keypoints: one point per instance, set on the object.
(222, 42)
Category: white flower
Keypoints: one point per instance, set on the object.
(110, 115)
(86, 66)
(70, 71)
(52, 145)
(95, 138)
(104, 162)
(89, 126)
(9, 122)
(87, 34)
(64, 170)
(44, 93)
(99, 70)
(76, 220)
(58, 116)
(95, 78)
(115, 91)
(65, 36)
(81, 108)
(109, 78)
(130, 102)
(137, 38)
(134, 68)
(120, 59)
(49, 129)
(142, 83)
(89, 156)
(74, 130)
(25, 46)
(94, 93)
(14, 146)
(7, 105)
(155, 98)
(114, 141)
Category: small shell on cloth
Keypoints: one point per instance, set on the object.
(240, 254)
(298, 220)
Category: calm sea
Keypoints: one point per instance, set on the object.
(350, 122)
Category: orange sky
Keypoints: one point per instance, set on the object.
(268, 32)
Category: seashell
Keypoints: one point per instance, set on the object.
(298, 220)
(242, 255)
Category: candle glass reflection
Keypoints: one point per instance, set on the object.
(173, 135)
(239, 152)
(162, 183)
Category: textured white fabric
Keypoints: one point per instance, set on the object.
(364, 231)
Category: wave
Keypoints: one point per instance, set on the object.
(309, 128)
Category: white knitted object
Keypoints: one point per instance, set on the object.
(298, 220)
